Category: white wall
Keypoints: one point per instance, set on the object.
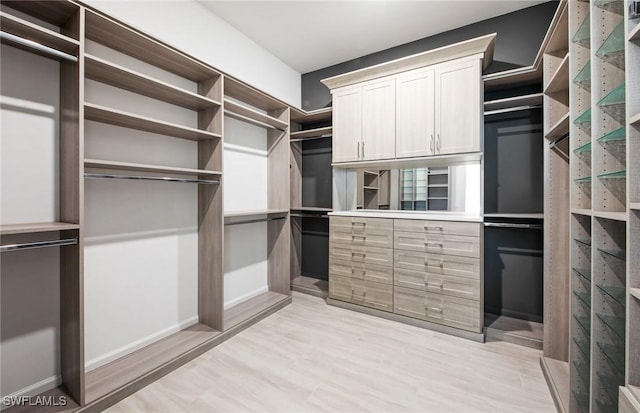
(193, 28)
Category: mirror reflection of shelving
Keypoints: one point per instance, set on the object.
(425, 189)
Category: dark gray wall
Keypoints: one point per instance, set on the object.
(520, 35)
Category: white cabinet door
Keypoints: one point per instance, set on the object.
(347, 124)
(458, 107)
(379, 120)
(415, 128)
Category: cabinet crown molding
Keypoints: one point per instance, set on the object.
(479, 45)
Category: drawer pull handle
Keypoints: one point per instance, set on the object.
(358, 253)
(359, 236)
(437, 310)
(434, 244)
(429, 284)
(428, 227)
(358, 223)
(440, 264)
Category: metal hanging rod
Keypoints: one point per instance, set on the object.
(512, 225)
(251, 120)
(37, 46)
(311, 138)
(514, 109)
(251, 221)
(152, 178)
(38, 244)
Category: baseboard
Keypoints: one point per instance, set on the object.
(138, 344)
(34, 389)
(493, 334)
(246, 297)
(562, 405)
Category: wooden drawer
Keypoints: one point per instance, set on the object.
(358, 254)
(361, 271)
(470, 229)
(438, 283)
(367, 293)
(370, 237)
(438, 244)
(361, 225)
(438, 308)
(437, 264)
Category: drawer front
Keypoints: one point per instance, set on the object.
(438, 308)
(438, 283)
(438, 244)
(438, 264)
(360, 225)
(370, 237)
(361, 271)
(366, 293)
(358, 254)
(470, 229)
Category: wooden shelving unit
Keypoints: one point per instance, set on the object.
(247, 114)
(559, 129)
(513, 102)
(40, 227)
(128, 166)
(559, 80)
(35, 33)
(323, 132)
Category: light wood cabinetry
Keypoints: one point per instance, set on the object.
(378, 120)
(415, 106)
(347, 125)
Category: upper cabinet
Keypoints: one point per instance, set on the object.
(428, 104)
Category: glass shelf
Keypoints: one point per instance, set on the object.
(583, 78)
(617, 293)
(583, 346)
(614, 175)
(583, 372)
(584, 121)
(612, 50)
(583, 272)
(614, 355)
(615, 324)
(619, 254)
(583, 34)
(583, 322)
(583, 149)
(615, 6)
(582, 400)
(583, 180)
(618, 135)
(610, 385)
(586, 242)
(613, 103)
(584, 298)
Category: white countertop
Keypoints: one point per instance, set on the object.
(435, 216)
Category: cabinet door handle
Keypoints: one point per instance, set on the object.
(438, 144)
(362, 149)
(431, 143)
(358, 150)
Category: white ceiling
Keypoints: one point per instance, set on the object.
(310, 35)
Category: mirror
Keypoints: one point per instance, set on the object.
(454, 188)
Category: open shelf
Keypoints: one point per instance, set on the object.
(127, 166)
(613, 175)
(584, 273)
(560, 79)
(612, 50)
(252, 307)
(581, 211)
(106, 72)
(615, 6)
(634, 35)
(635, 206)
(311, 133)
(532, 215)
(38, 227)
(616, 293)
(616, 216)
(560, 129)
(583, 78)
(319, 115)
(312, 209)
(583, 180)
(127, 369)
(110, 116)
(35, 33)
(515, 101)
(635, 292)
(614, 103)
(619, 135)
(255, 213)
(242, 92)
(586, 148)
(583, 34)
(635, 120)
(584, 121)
(245, 113)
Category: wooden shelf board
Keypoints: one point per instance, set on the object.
(55, 393)
(118, 373)
(127, 166)
(319, 115)
(417, 162)
(251, 96)
(527, 215)
(311, 133)
(56, 12)
(581, 211)
(511, 77)
(124, 39)
(106, 72)
(129, 120)
(312, 209)
(635, 292)
(38, 34)
(252, 307)
(635, 120)
(634, 35)
(558, 130)
(38, 227)
(371, 188)
(256, 213)
(556, 373)
(634, 205)
(560, 79)
(512, 102)
(248, 112)
(311, 286)
(618, 216)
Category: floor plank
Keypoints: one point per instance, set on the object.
(310, 357)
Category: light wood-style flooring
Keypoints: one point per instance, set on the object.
(312, 357)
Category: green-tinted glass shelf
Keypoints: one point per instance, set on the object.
(583, 272)
(583, 401)
(615, 324)
(614, 175)
(614, 355)
(584, 180)
(617, 293)
(613, 103)
(584, 298)
(583, 372)
(583, 34)
(612, 50)
(583, 78)
(586, 242)
(609, 384)
(583, 346)
(584, 121)
(617, 136)
(584, 323)
(586, 148)
(615, 6)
